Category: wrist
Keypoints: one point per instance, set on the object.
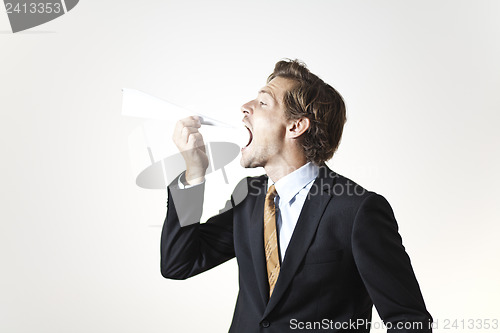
(194, 177)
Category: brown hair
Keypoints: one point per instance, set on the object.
(311, 97)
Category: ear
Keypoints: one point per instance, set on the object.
(297, 127)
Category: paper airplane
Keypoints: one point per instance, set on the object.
(139, 104)
(157, 161)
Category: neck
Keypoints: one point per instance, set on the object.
(284, 166)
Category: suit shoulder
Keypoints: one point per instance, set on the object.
(353, 195)
(348, 189)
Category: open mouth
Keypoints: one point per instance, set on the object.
(250, 137)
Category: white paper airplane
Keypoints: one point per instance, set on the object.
(155, 159)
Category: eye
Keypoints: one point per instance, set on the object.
(262, 103)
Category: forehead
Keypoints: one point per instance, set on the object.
(277, 87)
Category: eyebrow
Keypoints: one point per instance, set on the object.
(264, 91)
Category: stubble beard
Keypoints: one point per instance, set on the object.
(256, 158)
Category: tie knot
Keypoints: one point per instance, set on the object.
(271, 193)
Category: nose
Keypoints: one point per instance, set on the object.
(246, 109)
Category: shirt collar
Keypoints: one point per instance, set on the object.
(288, 186)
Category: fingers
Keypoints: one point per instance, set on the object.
(195, 140)
(186, 135)
(190, 122)
(186, 132)
(190, 143)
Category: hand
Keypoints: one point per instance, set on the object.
(190, 143)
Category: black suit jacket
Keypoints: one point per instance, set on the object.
(345, 255)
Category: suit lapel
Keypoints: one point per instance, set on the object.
(257, 240)
(304, 232)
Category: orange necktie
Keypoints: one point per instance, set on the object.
(271, 239)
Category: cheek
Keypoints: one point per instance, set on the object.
(276, 126)
(269, 128)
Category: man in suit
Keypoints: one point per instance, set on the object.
(315, 250)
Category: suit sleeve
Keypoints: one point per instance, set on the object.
(189, 247)
(385, 268)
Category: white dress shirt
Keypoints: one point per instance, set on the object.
(292, 193)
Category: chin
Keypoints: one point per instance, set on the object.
(246, 164)
(245, 158)
(249, 162)
(243, 162)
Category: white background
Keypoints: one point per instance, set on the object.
(79, 241)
